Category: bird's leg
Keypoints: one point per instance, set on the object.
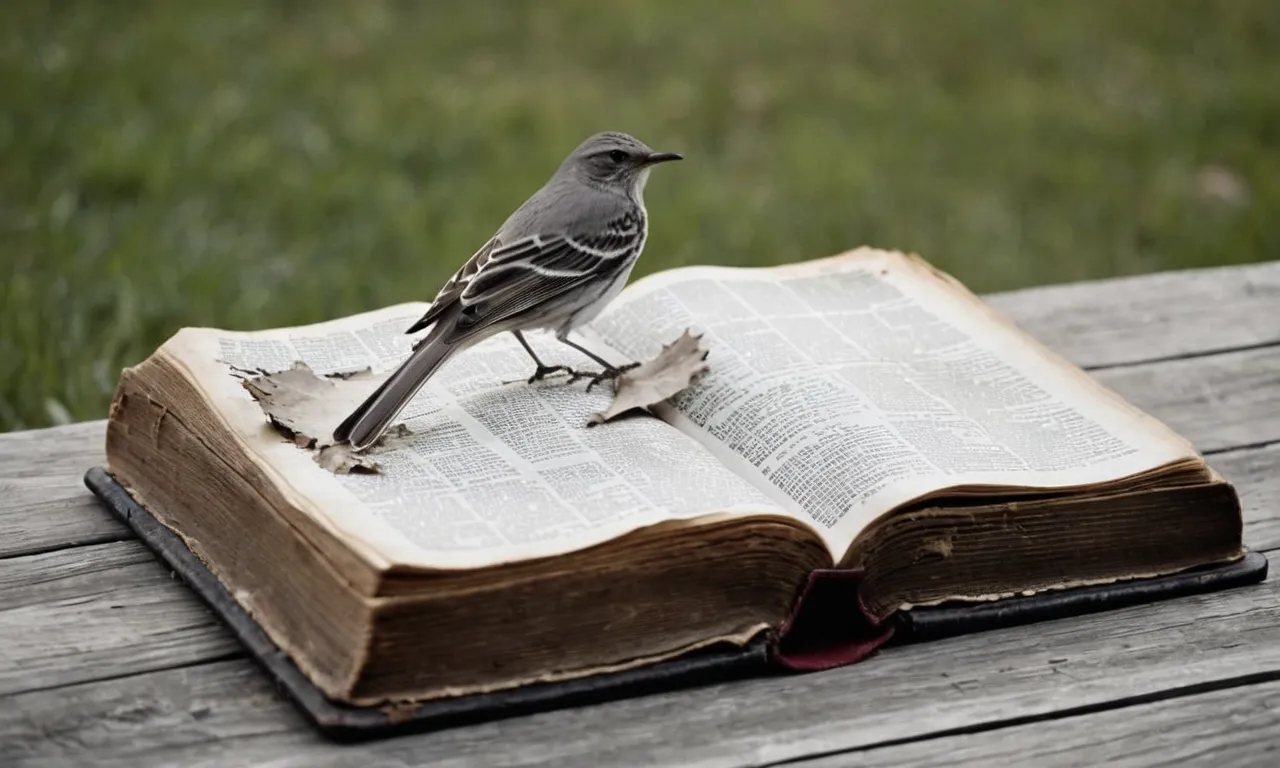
(543, 370)
(610, 371)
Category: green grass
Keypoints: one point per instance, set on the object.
(251, 165)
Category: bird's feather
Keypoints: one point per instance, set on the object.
(618, 238)
(451, 290)
(372, 417)
(507, 288)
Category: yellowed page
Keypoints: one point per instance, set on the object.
(844, 387)
(494, 472)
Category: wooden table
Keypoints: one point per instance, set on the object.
(106, 658)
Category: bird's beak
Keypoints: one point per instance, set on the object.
(662, 157)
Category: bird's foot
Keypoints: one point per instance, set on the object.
(550, 370)
(602, 376)
(544, 372)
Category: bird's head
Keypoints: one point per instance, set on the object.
(615, 160)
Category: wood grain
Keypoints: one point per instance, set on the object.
(161, 712)
(1236, 726)
(66, 450)
(1217, 402)
(1149, 317)
(43, 502)
(195, 716)
(1256, 476)
(98, 612)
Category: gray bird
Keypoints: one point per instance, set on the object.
(554, 264)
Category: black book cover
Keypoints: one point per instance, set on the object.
(814, 638)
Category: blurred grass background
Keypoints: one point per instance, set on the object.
(259, 164)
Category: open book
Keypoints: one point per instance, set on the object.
(862, 412)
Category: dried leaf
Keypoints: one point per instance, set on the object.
(666, 375)
(305, 408)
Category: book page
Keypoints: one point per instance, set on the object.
(495, 469)
(848, 386)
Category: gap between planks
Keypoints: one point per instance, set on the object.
(1235, 724)
(1183, 356)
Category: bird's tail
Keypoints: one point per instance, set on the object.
(368, 421)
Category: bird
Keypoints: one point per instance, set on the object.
(555, 263)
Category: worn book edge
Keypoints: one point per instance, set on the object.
(813, 638)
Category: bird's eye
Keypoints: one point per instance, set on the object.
(617, 155)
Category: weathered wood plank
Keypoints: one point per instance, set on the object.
(126, 574)
(43, 502)
(194, 716)
(40, 514)
(98, 612)
(50, 577)
(54, 451)
(174, 709)
(1256, 475)
(1237, 726)
(1148, 317)
(1217, 402)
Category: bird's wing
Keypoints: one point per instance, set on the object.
(527, 272)
(453, 289)
(616, 239)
